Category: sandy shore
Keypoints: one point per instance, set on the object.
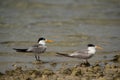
(78, 72)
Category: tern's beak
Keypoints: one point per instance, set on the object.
(49, 41)
(98, 47)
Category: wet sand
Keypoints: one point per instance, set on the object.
(27, 60)
(81, 71)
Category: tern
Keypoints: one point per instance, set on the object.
(83, 54)
(39, 48)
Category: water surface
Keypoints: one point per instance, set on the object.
(72, 24)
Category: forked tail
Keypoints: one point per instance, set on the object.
(20, 50)
(62, 54)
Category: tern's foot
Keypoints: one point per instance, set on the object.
(83, 64)
(86, 64)
(39, 60)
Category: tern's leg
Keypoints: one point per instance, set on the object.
(86, 61)
(36, 57)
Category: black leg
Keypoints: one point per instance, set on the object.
(86, 61)
(36, 57)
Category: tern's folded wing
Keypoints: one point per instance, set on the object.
(37, 49)
(80, 54)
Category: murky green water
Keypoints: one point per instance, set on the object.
(72, 24)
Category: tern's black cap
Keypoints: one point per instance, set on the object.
(91, 45)
(41, 38)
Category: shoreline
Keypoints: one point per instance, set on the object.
(78, 72)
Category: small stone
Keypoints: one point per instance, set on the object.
(101, 78)
(66, 71)
(96, 68)
(76, 72)
(53, 64)
(116, 58)
(108, 66)
(47, 72)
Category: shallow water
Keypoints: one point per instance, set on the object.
(72, 24)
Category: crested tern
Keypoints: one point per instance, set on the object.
(37, 49)
(83, 54)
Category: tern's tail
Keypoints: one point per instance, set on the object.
(20, 50)
(62, 54)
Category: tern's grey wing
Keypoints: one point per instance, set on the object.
(37, 49)
(84, 51)
(83, 54)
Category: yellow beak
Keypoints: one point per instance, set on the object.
(98, 47)
(49, 41)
